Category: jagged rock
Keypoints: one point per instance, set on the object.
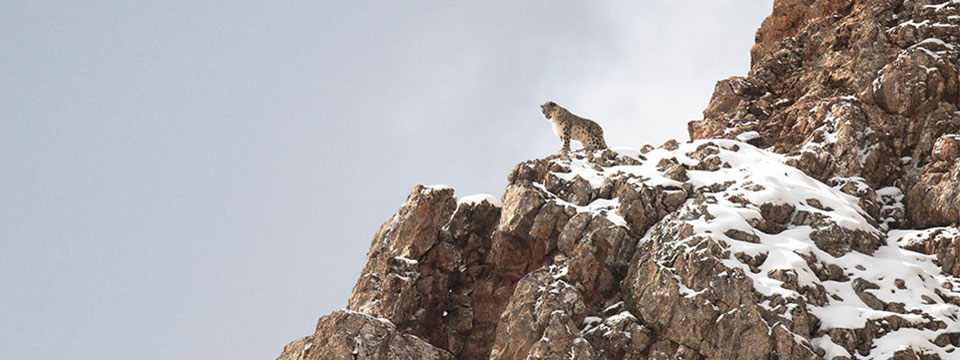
(352, 335)
(619, 335)
(935, 198)
(819, 221)
(296, 350)
(721, 257)
(409, 269)
(854, 89)
(427, 273)
(906, 87)
(539, 318)
(944, 242)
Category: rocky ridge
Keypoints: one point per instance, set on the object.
(856, 89)
(814, 215)
(708, 249)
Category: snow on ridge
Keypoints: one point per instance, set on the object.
(476, 199)
(600, 207)
(749, 164)
(905, 278)
(779, 183)
(938, 7)
(785, 251)
(437, 187)
(913, 238)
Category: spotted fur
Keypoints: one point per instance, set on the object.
(572, 127)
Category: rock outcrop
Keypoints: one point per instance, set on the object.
(353, 335)
(814, 215)
(847, 89)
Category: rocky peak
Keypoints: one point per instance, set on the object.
(813, 215)
(708, 249)
(855, 89)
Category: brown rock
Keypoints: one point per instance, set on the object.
(846, 98)
(297, 349)
(352, 335)
(943, 242)
(859, 95)
(860, 286)
(521, 205)
(912, 83)
(935, 199)
(947, 148)
(405, 266)
(542, 305)
(619, 336)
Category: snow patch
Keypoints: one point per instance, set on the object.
(480, 198)
(746, 136)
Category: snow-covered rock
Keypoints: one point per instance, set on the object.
(710, 249)
(815, 215)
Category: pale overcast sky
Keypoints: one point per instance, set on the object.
(201, 180)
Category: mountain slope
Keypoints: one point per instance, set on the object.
(714, 249)
(814, 215)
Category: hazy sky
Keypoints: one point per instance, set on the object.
(187, 180)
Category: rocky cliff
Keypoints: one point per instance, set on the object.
(813, 215)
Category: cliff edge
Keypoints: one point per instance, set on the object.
(813, 215)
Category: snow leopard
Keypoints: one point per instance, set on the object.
(569, 126)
